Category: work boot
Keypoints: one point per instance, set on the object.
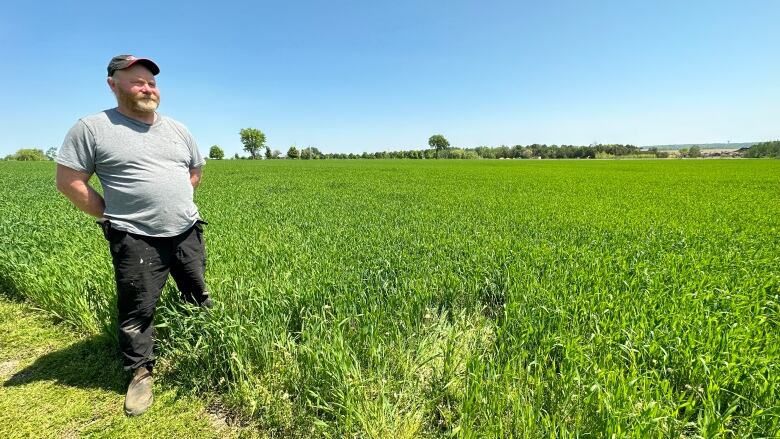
(139, 393)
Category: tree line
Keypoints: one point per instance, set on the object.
(33, 155)
(535, 151)
(254, 142)
(764, 149)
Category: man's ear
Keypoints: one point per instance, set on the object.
(110, 82)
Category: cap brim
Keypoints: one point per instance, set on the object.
(148, 63)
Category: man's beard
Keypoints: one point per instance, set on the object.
(145, 104)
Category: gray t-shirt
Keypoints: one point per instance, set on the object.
(144, 170)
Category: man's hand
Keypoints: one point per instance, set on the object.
(74, 185)
(195, 176)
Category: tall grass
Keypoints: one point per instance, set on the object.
(479, 299)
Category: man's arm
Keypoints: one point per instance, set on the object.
(74, 185)
(195, 176)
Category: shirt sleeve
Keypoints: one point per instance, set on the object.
(78, 149)
(197, 159)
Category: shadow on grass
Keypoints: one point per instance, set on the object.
(90, 363)
(8, 289)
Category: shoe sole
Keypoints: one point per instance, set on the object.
(132, 413)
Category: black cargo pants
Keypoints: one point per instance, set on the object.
(141, 267)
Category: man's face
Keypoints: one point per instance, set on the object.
(135, 89)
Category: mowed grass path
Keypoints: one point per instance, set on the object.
(437, 298)
(58, 384)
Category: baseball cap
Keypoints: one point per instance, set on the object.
(121, 62)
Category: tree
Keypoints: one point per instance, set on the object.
(268, 155)
(275, 154)
(310, 153)
(438, 142)
(28, 154)
(292, 153)
(694, 152)
(764, 149)
(253, 139)
(216, 153)
(51, 153)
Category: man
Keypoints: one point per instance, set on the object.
(149, 167)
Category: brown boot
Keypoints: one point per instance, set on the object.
(139, 393)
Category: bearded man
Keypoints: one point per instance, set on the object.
(149, 166)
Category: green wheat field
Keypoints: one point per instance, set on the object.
(438, 298)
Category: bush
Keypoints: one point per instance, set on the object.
(28, 154)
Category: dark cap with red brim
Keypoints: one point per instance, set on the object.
(121, 62)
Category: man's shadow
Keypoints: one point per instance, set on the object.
(90, 363)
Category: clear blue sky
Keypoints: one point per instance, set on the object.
(352, 76)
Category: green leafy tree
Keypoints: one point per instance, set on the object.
(438, 142)
(253, 139)
(293, 153)
(764, 149)
(310, 153)
(28, 155)
(268, 155)
(216, 153)
(694, 152)
(51, 153)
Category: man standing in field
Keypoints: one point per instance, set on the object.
(149, 167)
